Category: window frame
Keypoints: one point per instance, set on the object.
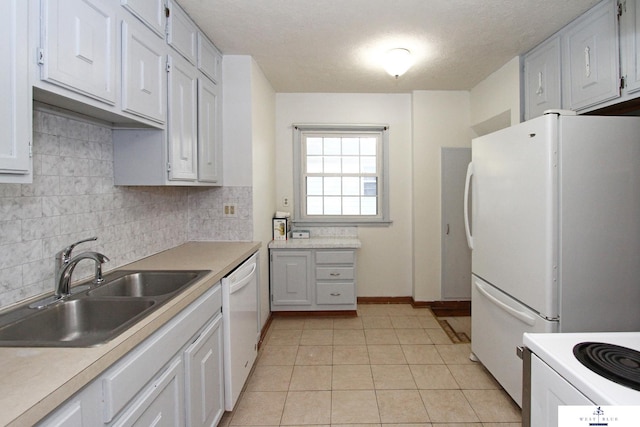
(300, 131)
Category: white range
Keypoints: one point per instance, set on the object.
(554, 376)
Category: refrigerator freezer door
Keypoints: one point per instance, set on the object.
(514, 207)
(497, 325)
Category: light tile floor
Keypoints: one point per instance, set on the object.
(392, 364)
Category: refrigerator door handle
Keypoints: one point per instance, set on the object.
(467, 227)
(523, 317)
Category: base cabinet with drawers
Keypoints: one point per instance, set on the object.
(174, 377)
(313, 279)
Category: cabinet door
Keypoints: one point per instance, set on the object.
(591, 59)
(209, 59)
(83, 409)
(160, 403)
(549, 391)
(204, 381)
(630, 44)
(182, 137)
(209, 131)
(79, 47)
(152, 13)
(143, 73)
(182, 33)
(291, 278)
(542, 78)
(15, 110)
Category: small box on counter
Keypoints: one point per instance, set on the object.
(281, 228)
(300, 234)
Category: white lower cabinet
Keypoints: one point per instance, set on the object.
(204, 382)
(313, 279)
(173, 378)
(160, 403)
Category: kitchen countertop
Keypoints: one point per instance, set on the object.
(37, 380)
(317, 243)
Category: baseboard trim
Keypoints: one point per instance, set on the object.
(385, 300)
(326, 313)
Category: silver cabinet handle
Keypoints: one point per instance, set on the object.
(335, 294)
(334, 274)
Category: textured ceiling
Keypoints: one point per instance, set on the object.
(335, 45)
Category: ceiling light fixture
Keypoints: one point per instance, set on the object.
(397, 61)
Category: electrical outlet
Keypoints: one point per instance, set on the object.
(230, 210)
(285, 201)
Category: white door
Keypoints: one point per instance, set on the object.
(590, 60)
(209, 130)
(513, 211)
(542, 78)
(143, 72)
(80, 47)
(456, 256)
(15, 110)
(182, 132)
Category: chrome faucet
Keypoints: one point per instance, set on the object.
(64, 266)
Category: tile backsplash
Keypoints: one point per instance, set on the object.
(73, 197)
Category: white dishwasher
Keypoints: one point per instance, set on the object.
(240, 325)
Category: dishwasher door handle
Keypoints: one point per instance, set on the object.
(244, 281)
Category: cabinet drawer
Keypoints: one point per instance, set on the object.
(335, 293)
(334, 273)
(335, 257)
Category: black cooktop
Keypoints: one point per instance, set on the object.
(616, 363)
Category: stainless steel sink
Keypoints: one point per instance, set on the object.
(78, 323)
(146, 283)
(92, 317)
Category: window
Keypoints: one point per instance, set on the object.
(340, 174)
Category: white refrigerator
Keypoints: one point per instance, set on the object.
(554, 228)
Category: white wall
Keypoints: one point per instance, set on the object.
(264, 154)
(440, 119)
(495, 101)
(384, 261)
(236, 122)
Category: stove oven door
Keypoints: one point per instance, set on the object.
(547, 391)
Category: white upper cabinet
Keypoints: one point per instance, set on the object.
(591, 62)
(182, 130)
(182, 33)
(542, 82)
(151, 12)
(630, 44)
(143, 72)
(209, 59)
(209, 131)
(78, 48)
(15, 110)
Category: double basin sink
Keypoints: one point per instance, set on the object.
(94, 314)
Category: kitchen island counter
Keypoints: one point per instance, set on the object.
(35, 381)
